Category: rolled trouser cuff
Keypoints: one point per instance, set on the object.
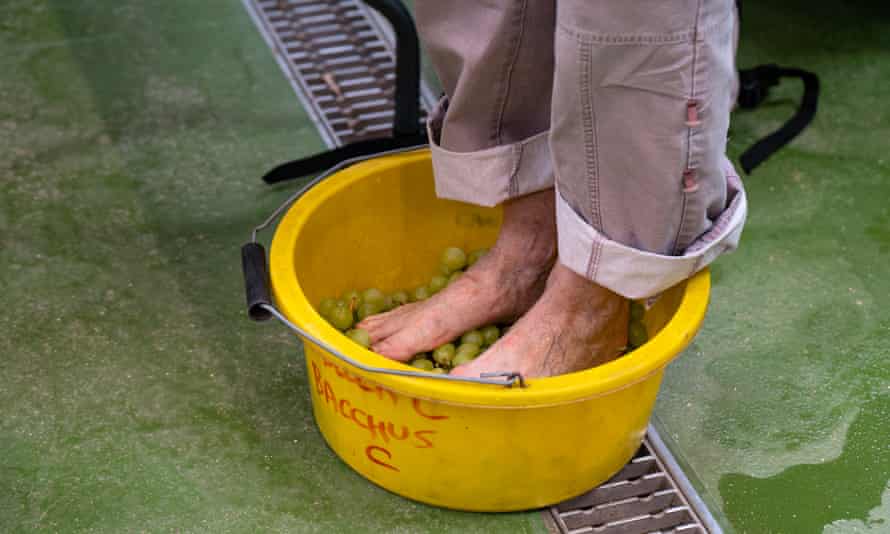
(635, 273)
(490, 176)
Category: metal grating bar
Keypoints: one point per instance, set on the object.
(649, 495)
(339, 57)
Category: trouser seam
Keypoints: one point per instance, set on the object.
(593, 262)
(513, 184)
(690, 164)
(591, 154)
(681, 229)
(516, 43)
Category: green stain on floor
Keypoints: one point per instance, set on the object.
(806, 497)
(136, 396)
(134, 393)
(781, 407)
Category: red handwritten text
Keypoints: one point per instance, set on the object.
(371, 448)
(377, 427)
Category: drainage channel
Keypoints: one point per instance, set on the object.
(649, 495)
(339, 57)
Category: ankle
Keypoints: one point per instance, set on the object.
(567, 286)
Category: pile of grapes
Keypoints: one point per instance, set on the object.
(353, 306)
(636, 330)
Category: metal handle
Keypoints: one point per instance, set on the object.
(509, 379)
(260, 304)
(311, 183)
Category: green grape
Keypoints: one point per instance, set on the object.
(399, 298)
(636, 311)
(474, 337)
(420, 293)
(388, 303)
(422, 363)
(374, 296)
(338, 305)
(462, 358)
(437, 283)
(438, 371)
(353, 299)
(475, 255)
(360, 336)
(454, 276)
(636, 335)
(453, 259)
(341, 318)
(326, 306)
(470, 349)
(367, 309)
(490, 334)
(444, 354)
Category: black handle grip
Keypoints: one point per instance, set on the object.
(256, 281)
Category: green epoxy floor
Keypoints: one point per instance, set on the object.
(135, 395)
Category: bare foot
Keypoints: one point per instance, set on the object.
(575, 325)
(500, 287)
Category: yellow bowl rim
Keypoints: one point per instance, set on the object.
(620, 373)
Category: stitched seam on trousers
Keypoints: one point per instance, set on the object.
(593, 263)
(588, 121)
(691, 160)
(641, 39)
(692, 82)
(681, 228)
(513, 185)
(515, 44)
(696, 265)
(628, 39)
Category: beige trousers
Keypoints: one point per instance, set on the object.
(622, 105)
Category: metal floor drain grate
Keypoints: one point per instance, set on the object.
(339, 57)
(650, 495)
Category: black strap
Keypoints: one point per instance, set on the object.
(754, 88)
(325, 160)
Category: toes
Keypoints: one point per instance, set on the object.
(386, 324)
(392, 351)
(411, 338)
(396, 347)
(377, 330)
(502, 357)
(465, 370)
(480, 366)
(380, 318)
(471, 369)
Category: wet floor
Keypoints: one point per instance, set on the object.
(136, 396)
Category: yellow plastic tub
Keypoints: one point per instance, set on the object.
(457, 445)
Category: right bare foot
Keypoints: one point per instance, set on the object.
(500, 287)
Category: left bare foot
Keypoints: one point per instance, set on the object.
(575, 325)
(501, 286)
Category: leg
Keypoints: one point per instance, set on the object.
(645, 196)
(489, 143)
